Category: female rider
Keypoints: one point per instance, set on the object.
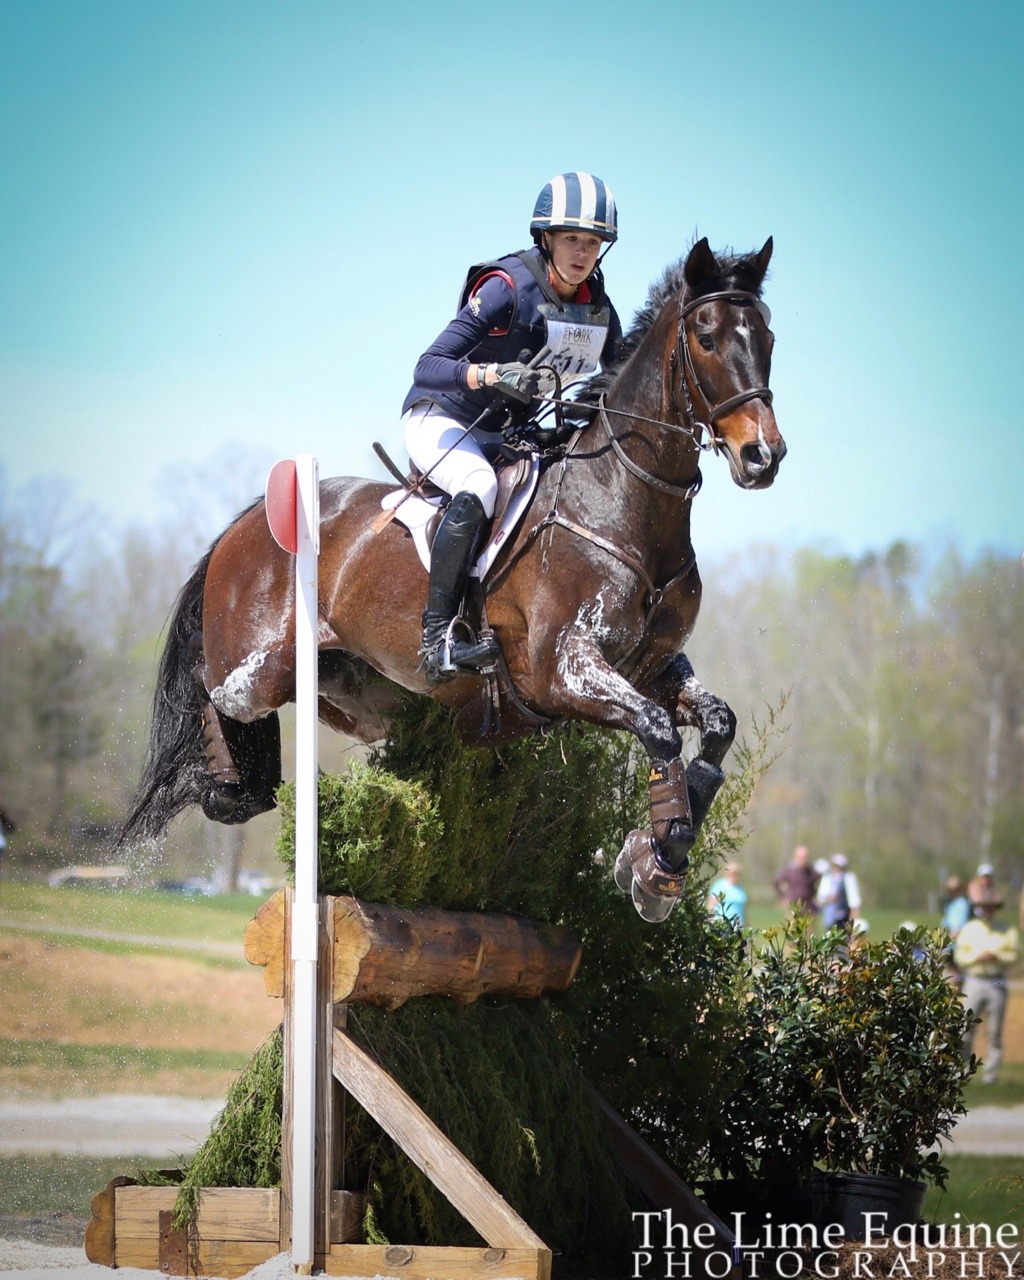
(549, 297)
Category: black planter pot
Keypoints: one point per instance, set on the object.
(847, 1199)
(760, 1202)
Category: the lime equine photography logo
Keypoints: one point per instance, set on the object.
(671, 1250)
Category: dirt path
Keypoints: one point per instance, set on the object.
(162, 1127)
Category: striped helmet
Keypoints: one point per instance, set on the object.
(576, 202)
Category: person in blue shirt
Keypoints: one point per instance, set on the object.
(549, 298)
(727, 898)
(955, 914)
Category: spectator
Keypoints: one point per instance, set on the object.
(957, 910)
(839, 894)
(984, 951)
(797, 883)
(982, 884)
(727, 898)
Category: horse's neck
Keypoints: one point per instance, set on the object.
(645, 388)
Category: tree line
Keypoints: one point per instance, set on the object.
(895, 681)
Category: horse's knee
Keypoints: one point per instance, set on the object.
(659, 735)
(717, 728)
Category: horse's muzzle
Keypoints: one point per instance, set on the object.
(756, 463)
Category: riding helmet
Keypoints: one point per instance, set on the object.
(576, 202)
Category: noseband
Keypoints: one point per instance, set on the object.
(681, 356)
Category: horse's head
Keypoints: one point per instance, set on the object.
(725, 350)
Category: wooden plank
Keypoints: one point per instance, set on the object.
(240, 1213)
(225, 1213)
(422, 1263)
(137, 1212)
(428, 1148)
(658, 1181)
(139, 1253)
(230, 1258)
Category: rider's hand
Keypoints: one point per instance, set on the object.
(517, 381)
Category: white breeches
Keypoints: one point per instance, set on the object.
(429, 436)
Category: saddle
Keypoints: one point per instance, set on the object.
(420, 505)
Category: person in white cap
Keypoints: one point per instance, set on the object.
(982, 883)
(985, 948)
(839, 894)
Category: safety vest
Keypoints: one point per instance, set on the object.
(536, 311)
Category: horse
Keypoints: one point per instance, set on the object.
(591, 600)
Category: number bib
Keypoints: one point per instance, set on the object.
(576, 337)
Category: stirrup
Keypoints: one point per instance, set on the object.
(443, 661)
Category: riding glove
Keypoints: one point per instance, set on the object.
(517, 381)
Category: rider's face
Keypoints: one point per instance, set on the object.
(574, 256)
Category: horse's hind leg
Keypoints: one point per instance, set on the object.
(243, 759)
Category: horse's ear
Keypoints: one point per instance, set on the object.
(764, 257)
(701, 265)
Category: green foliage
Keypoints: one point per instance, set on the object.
(851, 1058)
(244, 1146)
(500, 1078)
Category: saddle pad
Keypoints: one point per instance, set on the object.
(416, 513)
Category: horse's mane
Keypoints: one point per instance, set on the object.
(735, 271)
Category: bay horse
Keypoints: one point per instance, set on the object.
(592, 600)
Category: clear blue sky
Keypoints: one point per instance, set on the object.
(229, 227)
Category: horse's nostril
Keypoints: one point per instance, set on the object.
(757, 457)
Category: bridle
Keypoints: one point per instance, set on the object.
(682, 369)
(681, 357)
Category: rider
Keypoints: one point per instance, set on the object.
(549, 298)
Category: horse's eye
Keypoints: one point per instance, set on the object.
(706, 341)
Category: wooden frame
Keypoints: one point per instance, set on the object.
(370, 952)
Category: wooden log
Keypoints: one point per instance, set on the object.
(264, 942)
(100, 1231)
(386, 955)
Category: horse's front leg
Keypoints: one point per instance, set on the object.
(678, 688)
(652, 864)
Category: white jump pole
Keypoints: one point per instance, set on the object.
(305, 909)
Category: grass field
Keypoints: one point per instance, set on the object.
(127, 1013)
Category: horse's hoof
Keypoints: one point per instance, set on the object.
(642, 872)
(654, 908)
(229, 805)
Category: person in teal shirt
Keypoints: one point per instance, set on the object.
(727, 898)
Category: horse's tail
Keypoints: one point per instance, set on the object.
(174, 774)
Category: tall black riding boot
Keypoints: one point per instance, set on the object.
(446, 653)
